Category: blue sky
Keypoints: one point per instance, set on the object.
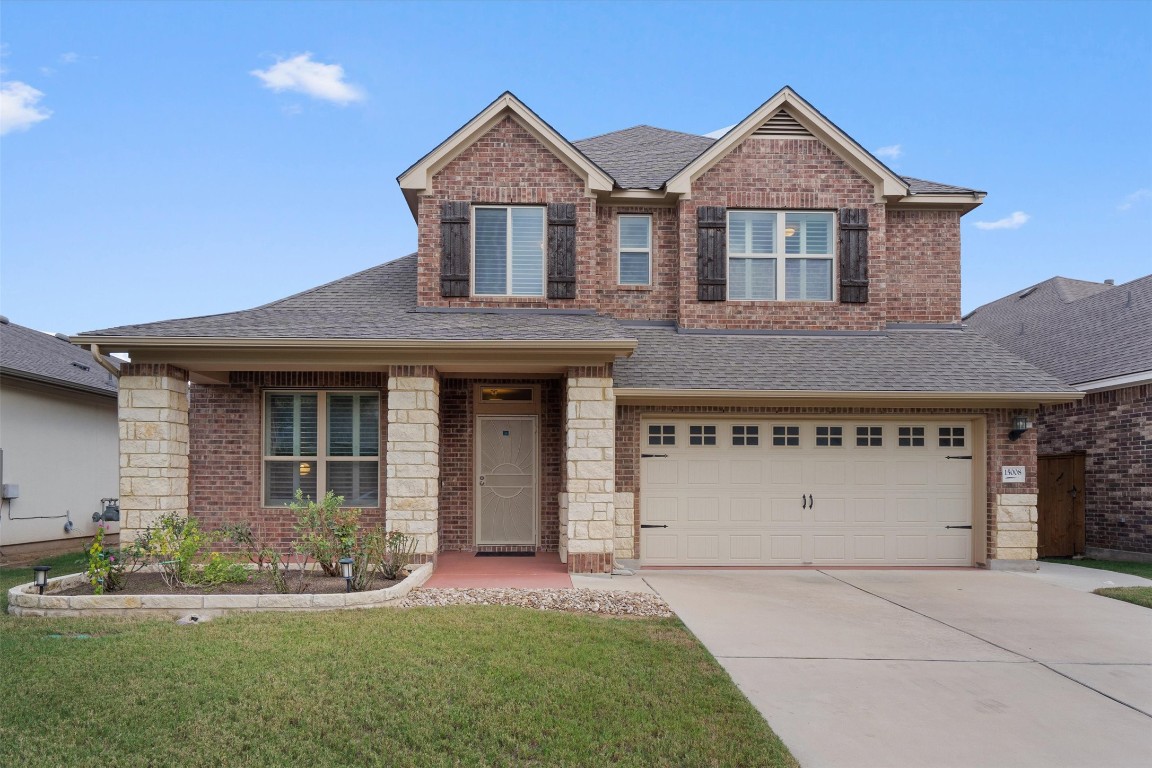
(164, 160)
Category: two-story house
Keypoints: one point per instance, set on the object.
(646, 345)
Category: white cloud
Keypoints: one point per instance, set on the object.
(891, 152)
(1015, 221)
(719, 132)
(1134, 198)
(18, 110)
(301, 74)
(71, 57)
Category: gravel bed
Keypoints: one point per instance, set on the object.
(604, 602)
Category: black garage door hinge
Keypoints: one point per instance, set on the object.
(649, 525)
(966, 527)
(958, 457)
(653, 455)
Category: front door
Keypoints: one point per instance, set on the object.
(1060, 506)
(506, 490)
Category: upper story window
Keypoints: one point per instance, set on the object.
(779, 255)
(509, 251)
(635, 250)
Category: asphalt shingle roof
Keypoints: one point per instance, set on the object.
(378, 303)
(1078, 331)
(30, 354)
(643, 157)
(894, 361)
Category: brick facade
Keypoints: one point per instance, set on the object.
(225, 439)
(1114, 429)
(457, 462)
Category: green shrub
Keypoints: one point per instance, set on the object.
(251, 536)
(108, 569)
(325, 531)
(397, 554)
(174, 544)
(221, 569)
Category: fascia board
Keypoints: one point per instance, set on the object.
(841, 397)
(1116, 382)
(888, 184)
(416, 177)
(965, 202)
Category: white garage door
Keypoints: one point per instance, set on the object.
(769, 492)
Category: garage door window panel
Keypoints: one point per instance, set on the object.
(745, 435)
(951, 437)
(661, 434)
(869, 437)
(910, 437)
(787, 436)
(702, 434)
(829, 437)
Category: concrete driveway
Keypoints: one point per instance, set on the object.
(930, 668)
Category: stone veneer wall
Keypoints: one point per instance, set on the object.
(225, 453)
(589, 496)
(411, 501)
(457, 461)
(1114, 429)
(153, 414)
(1010, 508)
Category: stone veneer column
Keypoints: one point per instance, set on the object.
(412, 500)
(153, 445)
(1016, 530)
(590, 431)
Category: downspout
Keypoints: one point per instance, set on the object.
(103, 361)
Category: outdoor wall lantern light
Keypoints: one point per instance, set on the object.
(1020, 425)
(41, 576)
(346, 572)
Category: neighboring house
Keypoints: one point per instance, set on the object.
(646, 345)
(1096, 337)
(58, 441)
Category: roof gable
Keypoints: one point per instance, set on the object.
(799, 118)
(418, 176)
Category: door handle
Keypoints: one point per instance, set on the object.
(481, 480)
(803, 502)
(811, 503)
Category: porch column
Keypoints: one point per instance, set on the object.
(1013, 522)
(590, 440)
(153, 445)
(411, 503)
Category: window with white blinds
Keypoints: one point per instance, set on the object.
(767, 249)
(324, 441)
(635, 250)
(508, 251)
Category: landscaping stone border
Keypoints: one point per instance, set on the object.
(23, 600)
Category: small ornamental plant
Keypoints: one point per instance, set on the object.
(107, 568)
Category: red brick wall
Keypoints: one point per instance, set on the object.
(923, 266)
(915, 271)
(1000, 450)
(771, 173)
(457, 446)
(1114, 429)
(224, 435)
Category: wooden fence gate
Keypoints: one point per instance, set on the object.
(1060, 507)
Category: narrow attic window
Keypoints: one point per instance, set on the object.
(782, 124)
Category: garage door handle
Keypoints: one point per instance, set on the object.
(649, 525)
(803, 502)
(959, 457)
(966, 527)
(811, 503)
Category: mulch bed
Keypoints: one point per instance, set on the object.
(259, 584)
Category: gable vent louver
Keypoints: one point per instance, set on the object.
(782, 124)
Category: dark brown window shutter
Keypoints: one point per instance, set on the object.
(455, 249)
(854, 255)
(711, 264)
(561, 250)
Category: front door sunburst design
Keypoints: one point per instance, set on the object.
(506, 480)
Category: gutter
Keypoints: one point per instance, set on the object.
(887, 396)
(128, 343)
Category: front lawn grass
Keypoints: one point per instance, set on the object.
(1120, 566)
(459, 686)
(62, 565)
(1138, 595)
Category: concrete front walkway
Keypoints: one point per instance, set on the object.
(930, 668)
